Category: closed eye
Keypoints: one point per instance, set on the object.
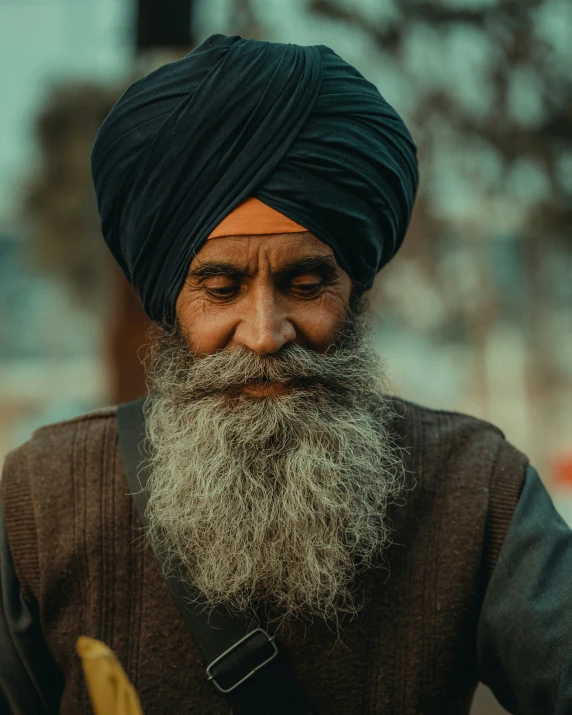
(307, 287)
(222, 292)
(227, 290)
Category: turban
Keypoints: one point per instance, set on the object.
(297, 128)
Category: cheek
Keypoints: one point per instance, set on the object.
(206, 330)
(319, 324)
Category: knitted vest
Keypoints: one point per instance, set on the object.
(83, 562)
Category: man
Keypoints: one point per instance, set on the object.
(250, 192)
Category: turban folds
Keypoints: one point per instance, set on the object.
(295, 127)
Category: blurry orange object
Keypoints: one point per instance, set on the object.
(562, 471)
(561, 485)
(110, 691)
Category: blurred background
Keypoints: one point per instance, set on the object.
(474, 314)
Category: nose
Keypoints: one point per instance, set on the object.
(264, 327)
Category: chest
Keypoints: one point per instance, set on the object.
(408, 650)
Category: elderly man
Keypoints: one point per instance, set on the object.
(270, 514)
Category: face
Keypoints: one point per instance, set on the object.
(262, 293)
(272, 465)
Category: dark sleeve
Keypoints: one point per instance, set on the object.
(30, 683)
(524, 637)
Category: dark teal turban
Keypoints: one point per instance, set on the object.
(296, 127)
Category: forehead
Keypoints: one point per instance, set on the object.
(277, 249)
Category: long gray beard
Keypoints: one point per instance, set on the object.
(281, 500)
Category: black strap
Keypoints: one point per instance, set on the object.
(231, 645)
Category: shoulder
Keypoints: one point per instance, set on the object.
(438, 423)
(62, 433)
(448, 431)
(55, 442)
(57, 451)
(444, 444)
(462, 471)
(44, 482)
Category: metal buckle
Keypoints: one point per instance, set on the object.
(270, 639)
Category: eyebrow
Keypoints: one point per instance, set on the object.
(324, 265)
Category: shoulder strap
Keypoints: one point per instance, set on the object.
(244, 661)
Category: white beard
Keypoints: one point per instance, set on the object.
(282, 499)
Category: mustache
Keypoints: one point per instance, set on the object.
(340, 368)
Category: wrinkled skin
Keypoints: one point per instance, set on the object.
(263, 292)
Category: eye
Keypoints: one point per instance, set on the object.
(222, 292)
(220, 288)
(307, 287)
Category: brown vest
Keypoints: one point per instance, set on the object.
(81, 557)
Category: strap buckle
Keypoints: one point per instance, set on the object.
(269, 641)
